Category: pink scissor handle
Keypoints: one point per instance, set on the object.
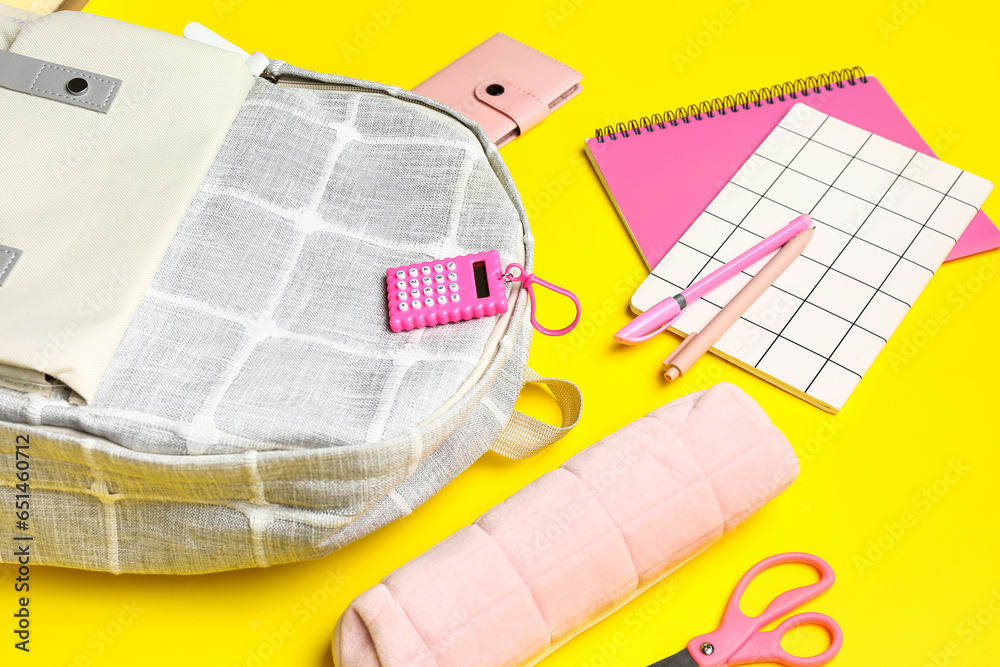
(766, 646)
(528, 279)
(739, 639)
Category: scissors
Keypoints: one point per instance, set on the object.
(741, 640)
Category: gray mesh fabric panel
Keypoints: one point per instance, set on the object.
(258, 410)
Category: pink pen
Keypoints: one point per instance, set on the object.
(659, 318)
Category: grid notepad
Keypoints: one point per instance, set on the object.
(886, 216)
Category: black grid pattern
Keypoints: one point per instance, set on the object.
(695, 243)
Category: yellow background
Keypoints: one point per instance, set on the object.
(927, 406)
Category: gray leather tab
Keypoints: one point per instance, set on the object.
(45, 79)
(8, 258)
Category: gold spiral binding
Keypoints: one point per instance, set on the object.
(849, 76)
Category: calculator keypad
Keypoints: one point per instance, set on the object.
(446, 290)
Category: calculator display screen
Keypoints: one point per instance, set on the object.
(482, 283)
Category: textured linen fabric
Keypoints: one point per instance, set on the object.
(576, 542)
(258, 409)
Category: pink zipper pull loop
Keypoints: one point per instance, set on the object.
(516, 272)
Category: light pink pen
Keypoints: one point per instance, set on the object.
(659, 318)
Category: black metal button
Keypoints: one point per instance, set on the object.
(77, 86)
(494, 89)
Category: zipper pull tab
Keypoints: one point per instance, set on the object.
(256, 62)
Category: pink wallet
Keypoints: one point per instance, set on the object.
(505, 86)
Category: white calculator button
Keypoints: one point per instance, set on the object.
(428, 291)
(438, 268)
(454, 297)
(401, 284)
(400, 274)
(414, 292)
(413, 272)
(443, 299)
(452, 276)
(401, 295)
(439, 279)
(404, 306)
(415, 303)
(414, 282)
(451, 266)
(453, 287)
(428, 302)
(427, 280)
(440, 289)
(425, 270)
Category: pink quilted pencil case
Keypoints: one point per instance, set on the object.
(573, 544)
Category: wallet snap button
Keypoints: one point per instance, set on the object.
(494, 89)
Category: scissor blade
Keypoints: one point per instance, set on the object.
(682, 659)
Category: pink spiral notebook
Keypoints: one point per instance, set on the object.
(661, 173)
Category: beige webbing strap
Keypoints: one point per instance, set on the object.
(525, 436)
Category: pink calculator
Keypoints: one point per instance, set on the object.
(445, 290)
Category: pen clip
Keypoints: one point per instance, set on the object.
(652, 334)
(632, 339)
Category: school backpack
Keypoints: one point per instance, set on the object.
(196, 372)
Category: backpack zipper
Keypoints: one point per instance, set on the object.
(287, 81)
